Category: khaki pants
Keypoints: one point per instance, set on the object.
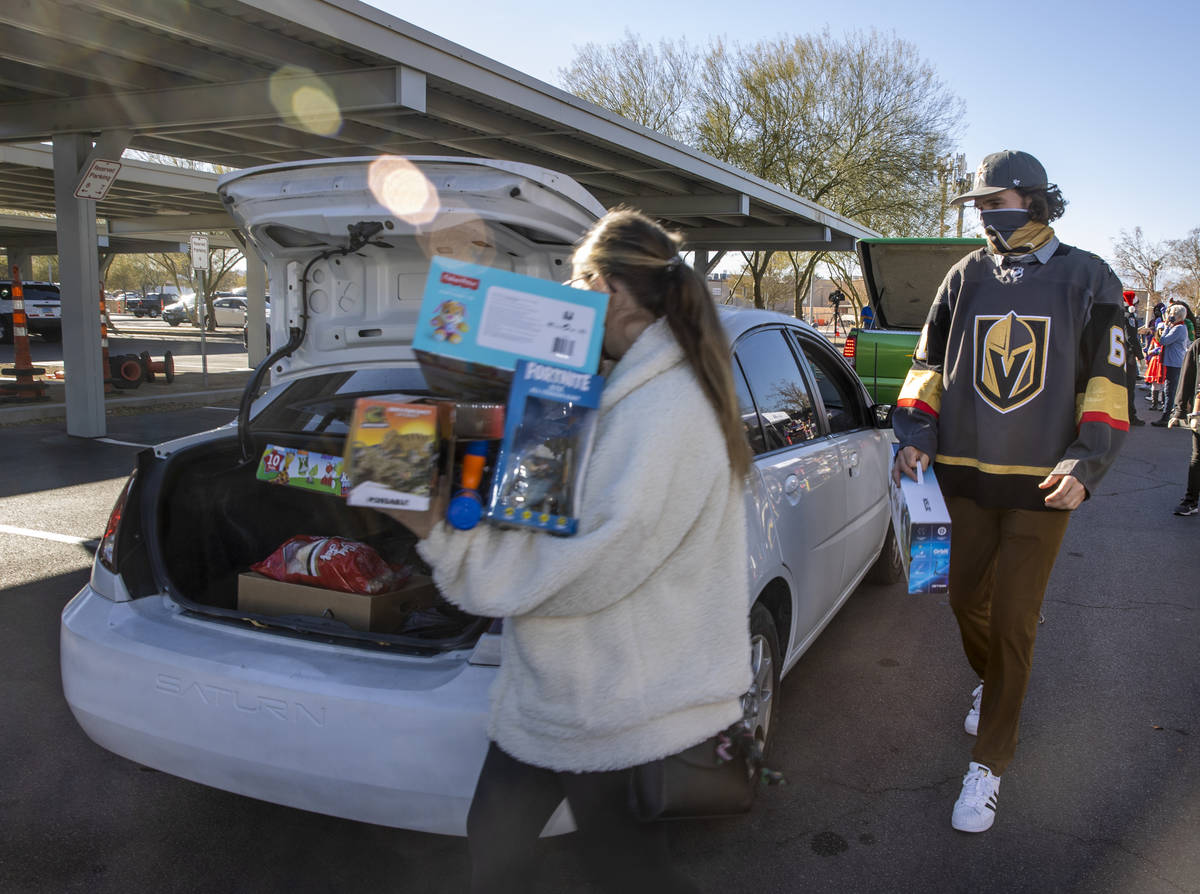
(1000, 562)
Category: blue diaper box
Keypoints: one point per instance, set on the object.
(922, 525)
(476, 322)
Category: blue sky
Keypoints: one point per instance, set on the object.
(1103, 93)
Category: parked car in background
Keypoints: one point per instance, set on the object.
(149, 305)
(901, 277)
(229, 310)
(246, 327)
(43, 310)
(178, 312)
(160, 664)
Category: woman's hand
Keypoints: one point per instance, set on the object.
(422, 523)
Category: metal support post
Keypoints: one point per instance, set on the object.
(79, 276)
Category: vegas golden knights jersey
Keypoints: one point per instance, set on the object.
(1019, 372)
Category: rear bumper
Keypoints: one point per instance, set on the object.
(380, 738)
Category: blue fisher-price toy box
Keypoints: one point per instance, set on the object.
(922, 524)
(477, 322)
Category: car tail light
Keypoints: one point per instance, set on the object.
(107, 553)
(849, 347)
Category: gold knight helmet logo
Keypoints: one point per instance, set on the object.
(1010, 359)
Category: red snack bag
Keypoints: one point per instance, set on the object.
(334, 563)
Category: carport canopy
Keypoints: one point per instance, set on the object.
(240, 83)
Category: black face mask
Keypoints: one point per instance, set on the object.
(1005, 221)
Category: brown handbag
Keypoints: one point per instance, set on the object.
(717, 777)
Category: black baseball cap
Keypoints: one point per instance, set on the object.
(1003, 170)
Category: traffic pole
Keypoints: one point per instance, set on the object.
(25, 388)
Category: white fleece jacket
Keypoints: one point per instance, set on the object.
(629, 641)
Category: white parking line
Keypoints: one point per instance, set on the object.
(122, 443)
(49, 535)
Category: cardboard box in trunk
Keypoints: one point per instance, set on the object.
(379, 613)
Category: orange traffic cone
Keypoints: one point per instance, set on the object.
(25, 388)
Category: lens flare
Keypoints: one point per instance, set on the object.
(402, 189)
(304, 100)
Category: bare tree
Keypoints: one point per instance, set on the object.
(1141, 260)
(221, 262)
(1184, 256)
(646, 84)
(857, 124)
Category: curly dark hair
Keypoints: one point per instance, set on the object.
(1046, 203)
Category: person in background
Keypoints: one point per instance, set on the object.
(1186, 412)
(1154, 323)
(867, 317)
(1156, 377)
(1017, 392)
(629, 641)
(1174, 343)
(1133, 354)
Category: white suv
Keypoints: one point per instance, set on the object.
(160, 665)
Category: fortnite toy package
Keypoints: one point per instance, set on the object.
(548, 435)
(476, 322)
(922, 525)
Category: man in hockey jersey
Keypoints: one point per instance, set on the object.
(1017, 392)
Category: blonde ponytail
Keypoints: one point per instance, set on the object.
(627, 247)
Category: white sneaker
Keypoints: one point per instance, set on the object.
(975, 809)
(971, 722)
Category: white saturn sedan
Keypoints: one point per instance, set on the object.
(159, 664)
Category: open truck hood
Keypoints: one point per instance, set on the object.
(902, 275)
(362, 307)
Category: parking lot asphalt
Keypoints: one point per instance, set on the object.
(1103, 798)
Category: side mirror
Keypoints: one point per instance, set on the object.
(883, 415)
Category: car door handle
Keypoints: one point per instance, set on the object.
(791, 484)
(852, 463)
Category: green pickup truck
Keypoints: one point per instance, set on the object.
(901, 278)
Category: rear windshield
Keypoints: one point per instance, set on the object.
(904, 276)
(323, 404)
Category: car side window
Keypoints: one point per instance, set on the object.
(754, 432)
(786, 410)
(843, 408)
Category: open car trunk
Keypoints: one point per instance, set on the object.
(212, 519)
(902, 276)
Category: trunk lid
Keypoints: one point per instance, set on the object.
(902, 275)
(359, 309)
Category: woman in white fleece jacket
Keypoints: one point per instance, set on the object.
(630, 641)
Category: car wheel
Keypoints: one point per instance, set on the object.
(6, 330)
(889, 567)
(765, 663)
(173, 322)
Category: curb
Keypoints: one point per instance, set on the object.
(123, 406)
